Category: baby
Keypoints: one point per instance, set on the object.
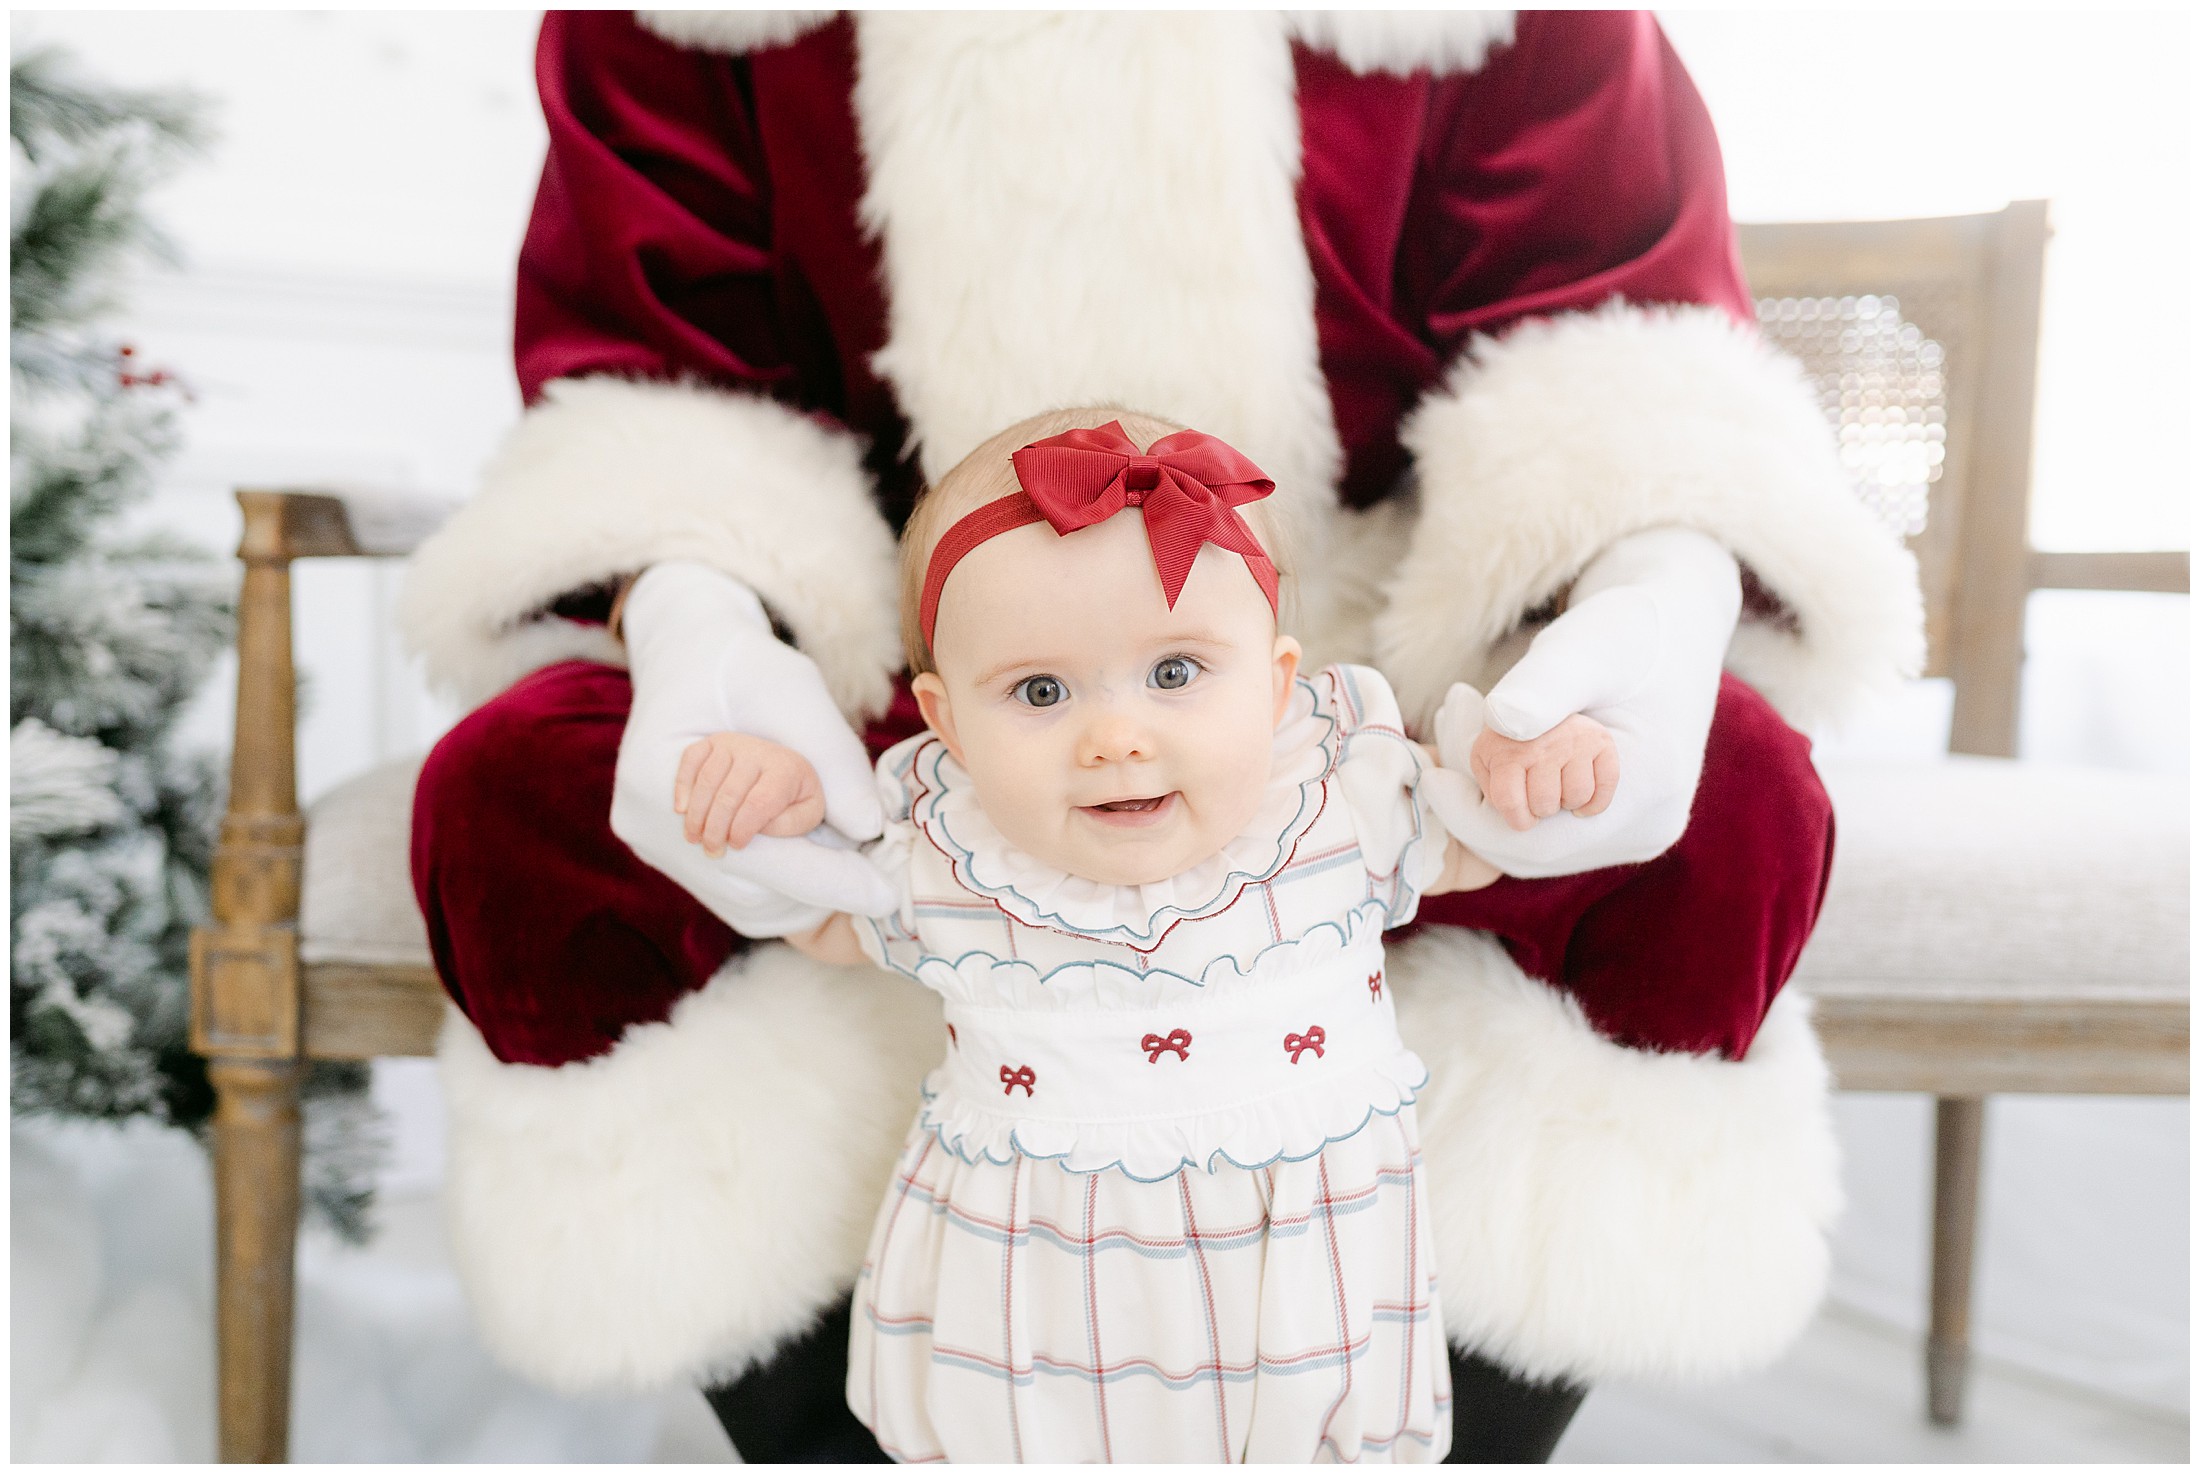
(1163, 1199)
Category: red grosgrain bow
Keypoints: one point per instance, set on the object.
(1188, 486)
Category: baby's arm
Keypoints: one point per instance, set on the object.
(732, 787)
(833, 941)
(1464, 870)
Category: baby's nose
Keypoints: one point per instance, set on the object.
(1112, 737)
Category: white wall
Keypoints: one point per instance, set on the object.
(345, 312)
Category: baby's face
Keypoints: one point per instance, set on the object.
(1107, 734)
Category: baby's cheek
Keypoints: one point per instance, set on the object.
(1234, 785)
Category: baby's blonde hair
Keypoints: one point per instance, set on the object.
(987, 474)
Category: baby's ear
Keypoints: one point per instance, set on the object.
(1286, 671)
(931, 694)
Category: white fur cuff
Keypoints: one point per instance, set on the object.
(1607, 1212)
(606, 476)
(678, 1207)
(1546, 446)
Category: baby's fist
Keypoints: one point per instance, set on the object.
(1574, 766)
(732, 787)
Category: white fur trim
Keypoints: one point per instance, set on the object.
(678, 1207)
(1340, 584)
(733, 32)
(1607, 1212)
(1544, 447)
(1400, 41)
(606, 476)
(1405, 41)
(1049, 239)
(524, 648)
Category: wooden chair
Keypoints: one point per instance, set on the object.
(316, 950)
(1929, 975)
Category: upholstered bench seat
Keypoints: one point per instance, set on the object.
(357, 903)
(1995, 926)
(369, 983)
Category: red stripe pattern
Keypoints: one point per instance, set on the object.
(1268, 1315)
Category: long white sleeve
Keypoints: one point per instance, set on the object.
(1639, 649)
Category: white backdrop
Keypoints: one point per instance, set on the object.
(344, 311)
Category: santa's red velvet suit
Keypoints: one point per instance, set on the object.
(1464, 285)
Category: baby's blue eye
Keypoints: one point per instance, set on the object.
(1039, 691)
(1172, 674)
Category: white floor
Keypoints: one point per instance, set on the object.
(1850, 1392)
(112, 1339)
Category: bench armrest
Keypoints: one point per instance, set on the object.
(2146, 573)
(339, 521)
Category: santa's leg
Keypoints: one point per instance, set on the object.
(1501, 1417)
(549, 935)
(793, 1409)
(1626, 1126)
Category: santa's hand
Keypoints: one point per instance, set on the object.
(704, 660)
(1639, 650)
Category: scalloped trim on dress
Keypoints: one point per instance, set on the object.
(969, 978)
(1039, 894)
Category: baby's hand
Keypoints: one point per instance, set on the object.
(733, 787)
(1573, 766)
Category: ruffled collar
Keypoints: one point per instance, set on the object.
(1039, 894)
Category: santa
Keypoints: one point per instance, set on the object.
(1465, 285)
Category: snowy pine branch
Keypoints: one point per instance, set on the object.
(85, 155)
(48, 104)
(58, 785)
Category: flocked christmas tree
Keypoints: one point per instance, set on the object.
(113, 631)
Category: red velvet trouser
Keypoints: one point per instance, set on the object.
(554, 939)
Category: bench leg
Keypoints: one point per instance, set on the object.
(1958, 1136)
(256, 1144)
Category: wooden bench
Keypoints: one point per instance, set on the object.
(1924, 980)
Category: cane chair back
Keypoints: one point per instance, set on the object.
(1922, 337)
(1919, 336)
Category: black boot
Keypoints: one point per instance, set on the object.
(1500, 1417)
(793, 1409)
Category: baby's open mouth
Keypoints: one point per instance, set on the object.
(1131, 810)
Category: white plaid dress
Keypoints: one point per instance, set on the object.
(1164, 1198)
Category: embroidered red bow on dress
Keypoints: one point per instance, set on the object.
(1188, 487)
(1176, 1041)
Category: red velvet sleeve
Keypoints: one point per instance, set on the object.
(648, 252)
(1578, 164)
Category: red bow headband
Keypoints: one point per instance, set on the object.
(1188, 487)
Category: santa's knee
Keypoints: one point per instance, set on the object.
(1690, 952)
(549, 934)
